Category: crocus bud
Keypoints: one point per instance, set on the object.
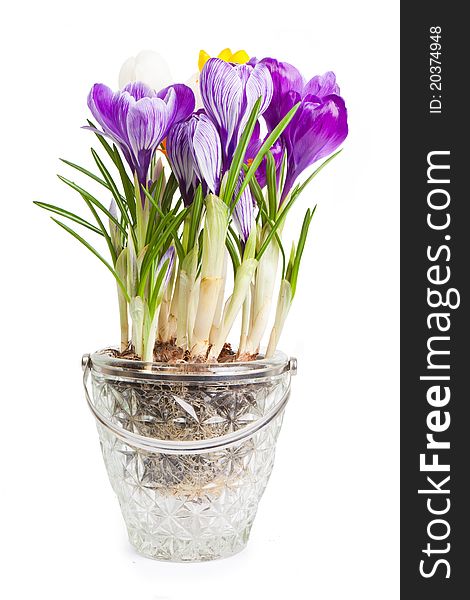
(147, 67)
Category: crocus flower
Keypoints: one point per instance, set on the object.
(229, 93)
(148, 67)
(195, 155)
(238, 57)
(286, 78)
(138, 119)
(318, 127)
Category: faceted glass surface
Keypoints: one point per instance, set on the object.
(187, 504)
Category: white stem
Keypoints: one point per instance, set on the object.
(123, 319)
(246, 312)
(150, 338)
(262, 295)
(208, 299)
(173, 314)
(283, 305)
(192, 309)
(212, 266)
(233, 305)
(220, 304)
(136, 309)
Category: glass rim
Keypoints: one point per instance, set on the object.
(101, 362)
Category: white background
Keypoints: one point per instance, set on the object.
(327, 527)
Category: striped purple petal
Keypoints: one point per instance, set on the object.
(136, 119)
(244, 212)
(195, 155)
(229, 93)
(181, 157)
(207, 153)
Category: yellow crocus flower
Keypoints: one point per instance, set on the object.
(240, 57)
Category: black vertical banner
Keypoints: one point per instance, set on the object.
(435, 300)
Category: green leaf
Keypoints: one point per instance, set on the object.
(112, 186)
(195, 217)
(300, 188)
(126, 182)
(281, 218)
(270, 140)
(84, 194)
(170, 189)
(96, 253)
(86, 172)
(65, 213)
(239, 155)
(300, 248)
(168, 226)
(154, 298)
(271, 184)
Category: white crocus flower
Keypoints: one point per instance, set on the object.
(148, 67)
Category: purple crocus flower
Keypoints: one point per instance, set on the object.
(286, 78)
(195, 155)
(318, 127)
(138, 119)
(229, 93)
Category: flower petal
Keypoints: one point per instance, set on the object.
(110, 110)
(221, 92)
(322, 85)
(244, 212)
(207, 152)
(138, 90)
(286, 78)
(185, 101)
(316, 130)
(148, 67)
(258, 83)
(181, 157)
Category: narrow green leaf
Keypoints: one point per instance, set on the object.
(239, 154)
(86, 172)
(170, 189)
(195, 218)
(168, 226)
(126, 182)
(300, 248)
(69, 215)
(270, 140)
(300, 188)
(233, 253)
(96, 253)
(112, 186)
(84, 194)
(271, 184)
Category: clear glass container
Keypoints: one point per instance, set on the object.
(188, 448)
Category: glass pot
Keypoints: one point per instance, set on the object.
(188, 448)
